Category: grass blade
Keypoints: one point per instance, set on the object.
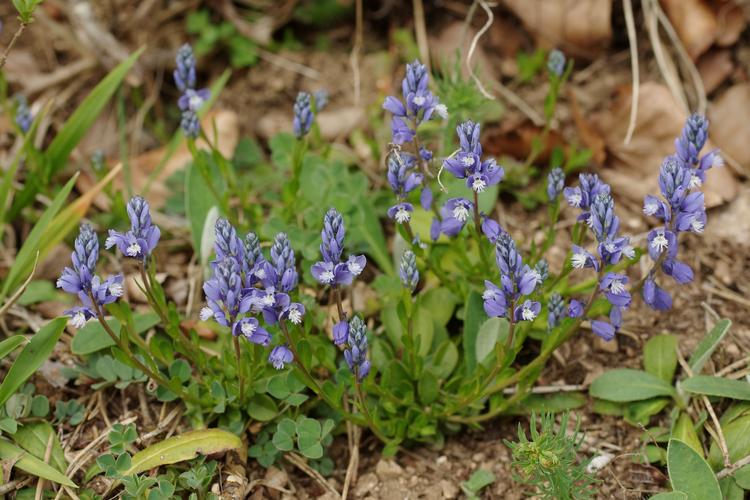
(10, 453)
(11, 344)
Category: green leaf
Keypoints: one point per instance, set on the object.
(737, 435)
(33, 437)
(474, 316)
(424, 330)
(38, 291)
(742, 477)
(443, 361)
(283, 438)
(183, 447)
(428, 387)
(689, 473)
(670, 495)
(369, 229)
(23, 460)
(718, 386)
(639, 412)
(440, 302)
(11, 344)
(198, 203)
(684, 430)
(730, 488)
(262, 408)
(31, 358)
(708, 345)
(92, 337)
(25, 258)
(85, 115)
(491, 331)
(660, 356)
(478, 480)
(552, 403)
(624, 385)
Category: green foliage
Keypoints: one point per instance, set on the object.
(306, 434)
(547, 459)
(242, 51)
(25, 8)
(690, 474)
(478, 480)
(71, 411)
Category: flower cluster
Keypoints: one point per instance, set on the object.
(24, 117)
(556, 62)
(681, 208)
(245, 284)
(555, 183)
(331, 271)
(517, 282)
(593, 197)
(418, 105)
(192, 99)
(408, 270)
(355, 352)
(403, 180)
(303, 114)
(140, 241)
(81, 280)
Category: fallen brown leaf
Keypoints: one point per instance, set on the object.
(730, 128)
(580, 27)
(635, 166)
(715, 66)
(695, 24)
(590, 135)
(731, 23)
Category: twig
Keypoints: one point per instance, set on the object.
(351, 470)
(633, 41)
(301, 464)
(12, 300)
(356, 49)
(726, 295)
(728, 471)
(420, 27)
(549, 389)
(717, 425)
(666, 67)
(13, 41)
(16, 484)
(730, 368)
(47, 456)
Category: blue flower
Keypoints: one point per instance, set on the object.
(252, 331)
(332, 236)
(527, 311)
(556, 310)
(655, 296)
(401, 212)
(556, 62)
(24, 117)
(355, 353)
(189, 124)
(303, 115)
(280, 356)
(193, 100)
(140, 241)
(408, 271)
(467, 163)
(455, 213)
(224, 294)
(331, 271)
(575, 309)
(321, 99)
(282, 256)
(693, 138)
(555, 183)
(401, 175)
(602, 220)
(341, 332)
(491, 229)
(227, 243)
(184, 74)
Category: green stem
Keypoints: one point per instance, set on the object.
(370, 422)
(240, 377)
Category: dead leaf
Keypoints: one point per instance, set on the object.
(580, 27)
(731, 223)
(517, 142)
(715, 66)
(695, 24)
(590, 135)
(635, 166)
(731, 23)
(730, 128)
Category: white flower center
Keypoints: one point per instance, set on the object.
(575, 200)
(419, 100)
(195, 102)
(442, 110)
(527, 314)
(78, 320)
(617, 287)
(295, 316)
(478, 185)
(717, 161)
(650, 208)
(610, 247)
(402, 215)
(467, 161)
(578, 260)
(354, 267)
(327, 276)
(660, 242)
(116, 289)
(206, 313)
(489, 295)
(537, 277)
(629, 252)
(260, 273)
(695, 182)
(268, 300)
(461, 213)
(133, 250)
(248, 328)
(697, 225)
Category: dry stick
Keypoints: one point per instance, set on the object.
(301, 464)
(12, 300)
(351, 470)
(666, 68)
(727, 471)
(421, 29)
(16, 484)
(633, 41)
(717, 425)
(47, 456)
(356, 49)
(13, 41)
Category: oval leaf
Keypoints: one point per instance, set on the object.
(660, 356)
(32, 357)
(690, 474)
(183, 447)
(491, 331)
(624, 385)
(718, 386)
(29, 463)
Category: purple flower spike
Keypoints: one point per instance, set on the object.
(140, 241)
(408, 271)
(227, 243)
(224, 295)
(184, 74)
(303, 114)
(575, 309)
(341, 332)
(332, 236)
(356, 350)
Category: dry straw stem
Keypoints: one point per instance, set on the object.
(633, 41)
(301, 464)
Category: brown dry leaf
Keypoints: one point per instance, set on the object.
(636, 165)
(581, 27)
(715, 66)
(695, 24)
(517, 142)
(731, 23)
(590, 135)
(730, 128)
